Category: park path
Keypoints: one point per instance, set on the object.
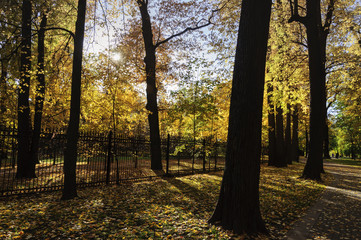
(337, 214)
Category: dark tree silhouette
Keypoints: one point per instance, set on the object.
(316, 39)
(40, 89)
(72, 135)
(280, 139)
(288, 140)
(3, 88)
(238, 204)
(26, 167)
(294, 151)
(272, 151)
(150, 69)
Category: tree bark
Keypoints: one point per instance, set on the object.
(3, 90)
(295, 142)
(288, 141)
(326, 145)
(280, 141)
(271, 129)
(238, 204)
(40, 90)
(152, 106)
(70, 155)
(25, 166)
(314, 162)
(316, 38)
(307, 143)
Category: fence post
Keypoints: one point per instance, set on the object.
(204, 155)
(167, 155)
(109, 157)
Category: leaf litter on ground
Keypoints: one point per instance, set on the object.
(167, 208)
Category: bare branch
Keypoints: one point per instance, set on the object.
(188, 29)
(295, 17)
(328, 20)
(63, 29)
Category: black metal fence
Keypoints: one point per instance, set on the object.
(103, 158)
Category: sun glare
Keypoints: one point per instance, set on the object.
(116, 57)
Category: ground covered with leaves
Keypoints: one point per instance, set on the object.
(168, 208)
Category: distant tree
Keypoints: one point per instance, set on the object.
(280, 139)
(288, 140)
(238, 204)
(72, 135)
(272, 151)
(26, 167)
(295, 142)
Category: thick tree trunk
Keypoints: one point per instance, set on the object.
(280, 141)
(288, 141)
(271, 129)
(314, 163)
(26, 167)
(72, 135)
(40, 90)
(152, 105)
(238, 204)
(295, 153)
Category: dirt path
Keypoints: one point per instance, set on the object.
(337, 214)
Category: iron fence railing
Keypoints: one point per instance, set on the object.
(103, 158)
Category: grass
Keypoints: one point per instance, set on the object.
(345, 161)
(168, 208)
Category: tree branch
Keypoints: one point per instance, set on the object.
(295, 17)
(328, 20)
(63, 29)
(188, 29)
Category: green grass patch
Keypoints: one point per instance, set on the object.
(169, 208)
(345, 161)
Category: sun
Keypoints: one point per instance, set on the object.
(116, 57)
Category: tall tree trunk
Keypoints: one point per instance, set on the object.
(72, 135)
(288, 141)
(280, 142)
(314, 162)
(152, 106)
(316, 39)
(238, 204)
(40, 90)
(26, 167)
(295, 153)
(271, 129)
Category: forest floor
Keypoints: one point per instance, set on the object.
(167, 208)
(337, 214)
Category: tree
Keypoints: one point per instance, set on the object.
(294, 145)
(316, 38)
(26, 167)
(272, 151)
(288, 140)
(70, 155)
(40, 89)
(237, 208)
(150, 70)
